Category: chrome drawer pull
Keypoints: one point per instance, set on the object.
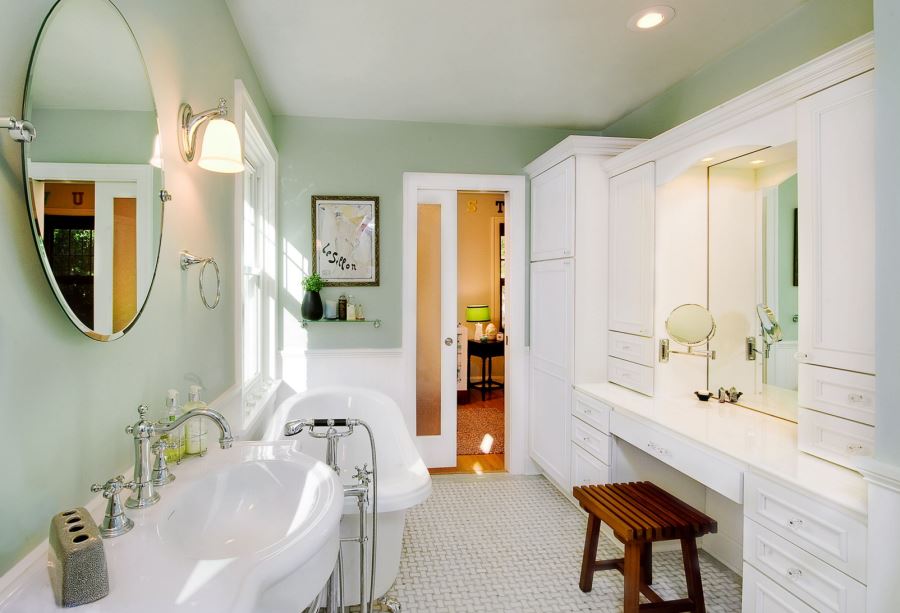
(855, 448)
(796, 524)
(856, 398)
(795, 573)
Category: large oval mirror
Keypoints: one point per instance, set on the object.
(93, 175)
(690, 325)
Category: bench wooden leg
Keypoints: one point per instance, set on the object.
(591, 538)
(692, 574)
(632, 576)
(647, 563)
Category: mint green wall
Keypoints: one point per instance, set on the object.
(96, 137)
(787, 292)
(368, 158)
(887, 218)
(65, 399)
(812, 29)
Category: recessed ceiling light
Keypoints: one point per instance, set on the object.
(757, 162)
(650, 18)
(710, 159)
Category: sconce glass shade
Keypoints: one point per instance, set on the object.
(221, 150)
(156, 160)
(478, 312)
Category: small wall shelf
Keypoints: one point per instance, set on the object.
(373, 322)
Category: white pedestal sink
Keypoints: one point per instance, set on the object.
(251, 528)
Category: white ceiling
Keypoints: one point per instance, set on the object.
(555, 63)
(89, 60)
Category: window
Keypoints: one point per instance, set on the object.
(255, 232)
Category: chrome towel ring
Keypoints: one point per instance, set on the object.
(187, 260)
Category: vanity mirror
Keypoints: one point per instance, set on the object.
(93, 176)
(690, 325)
(753, 285)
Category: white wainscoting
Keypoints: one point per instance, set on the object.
(377, 369)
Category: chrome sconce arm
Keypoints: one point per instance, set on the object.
(665, 351)
(189, 123)
(20, 130)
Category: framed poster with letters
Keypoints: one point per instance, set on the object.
(345, 240)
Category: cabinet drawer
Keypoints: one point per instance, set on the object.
(638, 349)
(838, 392)
(591, 440)
(833, 438)
(591, 411)
(802, 574)
(762, 595)
(833, 536)
(633, 376)
(709, 468)
(586, 469)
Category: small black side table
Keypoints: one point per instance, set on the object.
(486, 350)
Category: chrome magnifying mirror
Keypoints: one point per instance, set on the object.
(771, 328)
(690, 325)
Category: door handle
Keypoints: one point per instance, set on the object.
(448, 341)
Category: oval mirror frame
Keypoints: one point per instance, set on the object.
(146, 234)
(769, 322)
(691, 325)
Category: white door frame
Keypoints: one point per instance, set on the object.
(516, 377)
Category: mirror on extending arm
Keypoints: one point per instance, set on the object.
(690, 325)
(753, 277)
(93, 176)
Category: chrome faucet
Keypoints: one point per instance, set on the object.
(144, 493)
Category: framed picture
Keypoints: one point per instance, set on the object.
(345, 240)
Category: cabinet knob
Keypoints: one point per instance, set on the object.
(448, 341)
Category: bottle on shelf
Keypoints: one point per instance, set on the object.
(197, 428)
(342, 308)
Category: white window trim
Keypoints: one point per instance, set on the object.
(255, 136)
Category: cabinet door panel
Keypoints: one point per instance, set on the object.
(632, 197)
(553, 212)
(552, 333)
(836, 175)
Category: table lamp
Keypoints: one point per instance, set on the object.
(478, 313)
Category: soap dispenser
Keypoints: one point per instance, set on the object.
(196, 427)
(175, 437)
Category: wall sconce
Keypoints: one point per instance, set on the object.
(221, 151)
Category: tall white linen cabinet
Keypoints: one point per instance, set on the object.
(569, 229)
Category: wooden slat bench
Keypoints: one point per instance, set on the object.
(640, 514)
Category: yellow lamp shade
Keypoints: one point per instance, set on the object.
(478, 312)
(221, 148)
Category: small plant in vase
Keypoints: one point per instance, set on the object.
(311, 308)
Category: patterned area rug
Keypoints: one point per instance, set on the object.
(475, 421)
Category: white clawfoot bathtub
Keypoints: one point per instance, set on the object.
(403, 479)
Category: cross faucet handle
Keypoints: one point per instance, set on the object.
(112, 487)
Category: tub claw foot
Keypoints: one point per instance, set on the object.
(391, 604)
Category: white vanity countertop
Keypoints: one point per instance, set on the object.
(766, 444)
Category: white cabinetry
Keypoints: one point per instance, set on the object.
(552, 330)
(553, 212)
(813, 552)
(836, 183)
(569, 215)
(632, 198)
(836, 188)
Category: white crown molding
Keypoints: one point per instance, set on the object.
(840, 64)
(879, 473)
(580, 145)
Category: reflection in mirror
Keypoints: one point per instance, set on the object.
(753, 277)
(93, 176)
